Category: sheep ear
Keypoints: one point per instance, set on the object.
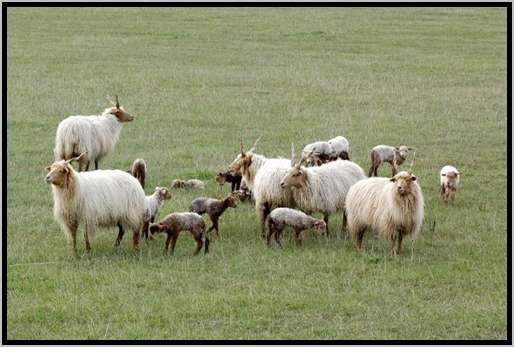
(48, 168)
(459, 173)
(410, 148)
(443, 174)
(413, 178)
(397, 147)
(393, 179)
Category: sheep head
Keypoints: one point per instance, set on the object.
(320, 226)
(404, 182)
(59, 173)
(155, 229)
(221, 178)
(231, 200)
(403, 151)
(452, 177)
(119, 112)
(244, 159)
(163, 192)
(296, 176)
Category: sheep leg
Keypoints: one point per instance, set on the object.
(233, 186)
(215, 224)
(277, 237)
(298, 237)
(71, 230)
(325, 218)
(397, 243)
(144, 232)
(360, 237)
(263, 211)
(135, 239)
(199, 243)
(96, 164)
(121, 232)
(86, 238)
(167, 243)
(271, 231)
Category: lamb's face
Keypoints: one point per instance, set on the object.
(320, 226)
(231, 201)
(58, 173)
(164, 193)
(404, 151)
(295, 177)
(121, 114)
(155, 229)
(241, 163)
(220, 178)
(403, 182)
(451, 178)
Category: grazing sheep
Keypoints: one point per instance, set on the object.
(279, 218)
(138, 170)
(101, 198)
(262, 176)
(393, 155)
(450, 179)
(230, 177)
(318, 153)
(96, 135)
(174, 223)
(340, 147)
(153, 203)
(189, 184)
(392, 207)
(322, 188)
(213, 207)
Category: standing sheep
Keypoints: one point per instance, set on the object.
(450, 179)
(213, 207)
(174, 223)
(263, 176)
(279, 218)
(322, 188)
(392, 207)
(96, 135)
(138, 170)
(392, 155)
(102, 198)
(340, 147)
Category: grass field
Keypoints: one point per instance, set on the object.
(196, 79)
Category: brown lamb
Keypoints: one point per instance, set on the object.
(213, 207)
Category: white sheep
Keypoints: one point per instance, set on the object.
(101, 198)
(392, 155)
(322, 188)
(392, 207)
(262, 176)
(318, 153)
(281, 217)
(340, 147)
(96, 135)
(450, 179)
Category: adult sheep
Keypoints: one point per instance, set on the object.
(263, 176)
(392, 207)
(101, 198)
(95, 135)
(322, 188)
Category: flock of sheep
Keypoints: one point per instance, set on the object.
(285, 192)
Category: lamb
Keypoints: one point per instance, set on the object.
(322, 188)
(213, 207)
(279, 218)
(243, 193)
(153, 203)
(230, 177)
(174, 223)
(189, 184)
(340, 147)
(97, 135)
(318, 153)
(262, 176)
(138, 170)
(392, 207)
(101, 198)
(393, 155)
(450, 179)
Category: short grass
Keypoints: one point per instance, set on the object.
(197, 79)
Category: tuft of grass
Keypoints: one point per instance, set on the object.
(197, 79)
